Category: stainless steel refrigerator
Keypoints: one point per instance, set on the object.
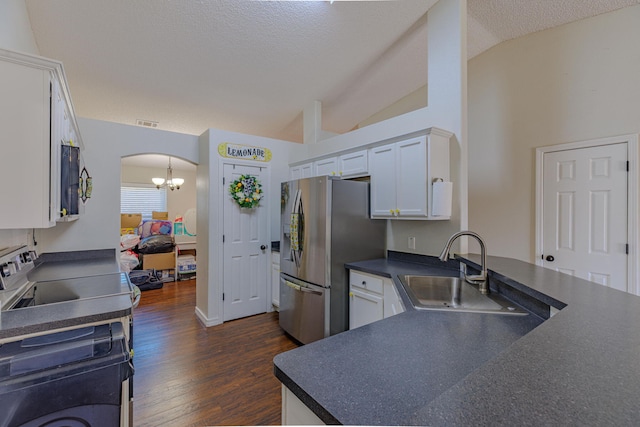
(324, 224)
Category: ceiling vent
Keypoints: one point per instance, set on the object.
(147, 123)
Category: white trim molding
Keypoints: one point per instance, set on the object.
(204, 320)
(633, 198)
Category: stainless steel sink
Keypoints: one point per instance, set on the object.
(454, 294)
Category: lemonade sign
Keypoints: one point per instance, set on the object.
(244, 152)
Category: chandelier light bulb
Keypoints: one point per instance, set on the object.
(171, 182)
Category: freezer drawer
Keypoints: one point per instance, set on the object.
(304, 309)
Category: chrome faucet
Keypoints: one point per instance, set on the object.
(479, 279)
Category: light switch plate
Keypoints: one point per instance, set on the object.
(411, 242)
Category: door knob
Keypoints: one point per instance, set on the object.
(263, 247)
(550, 258)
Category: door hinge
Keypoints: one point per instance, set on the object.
(223, 238)
(223, 180)
(627, 165)
(223, 296)
(626, 249)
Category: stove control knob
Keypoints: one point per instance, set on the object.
(26, 257)
(4, 270)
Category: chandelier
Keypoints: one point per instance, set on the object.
(171, 182)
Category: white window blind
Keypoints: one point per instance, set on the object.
(142, 198)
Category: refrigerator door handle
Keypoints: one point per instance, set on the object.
(296, 227)
(301, 288)
(309, 291)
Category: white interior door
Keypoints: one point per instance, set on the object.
(246, 250)
(584, 215)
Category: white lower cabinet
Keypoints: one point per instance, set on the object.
(371, 298)
(296, 413)
(392, 303)
(275, 280)
(364, 308)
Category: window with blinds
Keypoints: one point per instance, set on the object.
(142, 198)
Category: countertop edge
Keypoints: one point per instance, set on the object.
(299, 392)
(517, 384)
(120, 307)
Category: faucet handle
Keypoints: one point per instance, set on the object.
(480, 280)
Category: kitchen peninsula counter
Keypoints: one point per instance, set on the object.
(67, 314)
(419, 367)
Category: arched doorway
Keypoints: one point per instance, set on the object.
(139, 195)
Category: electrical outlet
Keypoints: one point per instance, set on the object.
(412, 242)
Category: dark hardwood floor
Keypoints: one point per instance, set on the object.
(190, 375)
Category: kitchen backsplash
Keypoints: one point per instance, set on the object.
(13, 237)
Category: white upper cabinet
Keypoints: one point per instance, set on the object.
(402, 174)
(353, 164)
(301, 171)
(382, 161)
(327, 166)
(36, 117)
(346, 165)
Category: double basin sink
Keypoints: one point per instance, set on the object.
(454, 294)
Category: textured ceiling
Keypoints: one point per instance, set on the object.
(253, 66)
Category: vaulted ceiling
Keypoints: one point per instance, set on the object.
(253, 66)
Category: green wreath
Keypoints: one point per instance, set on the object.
(246, 191)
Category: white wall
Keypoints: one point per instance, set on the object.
(210, 210)
(446, 109)
(576, 82)
(15, 28)
(105, 144)
(15, 34)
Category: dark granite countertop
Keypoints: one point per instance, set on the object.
(579, 367)
(67, 265)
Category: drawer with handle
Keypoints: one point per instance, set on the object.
(366, 281)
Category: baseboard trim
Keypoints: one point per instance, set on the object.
(206, 321)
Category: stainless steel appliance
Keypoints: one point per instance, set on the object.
(28, 286)
(15, 263)
(324, 224)
(68, 378)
